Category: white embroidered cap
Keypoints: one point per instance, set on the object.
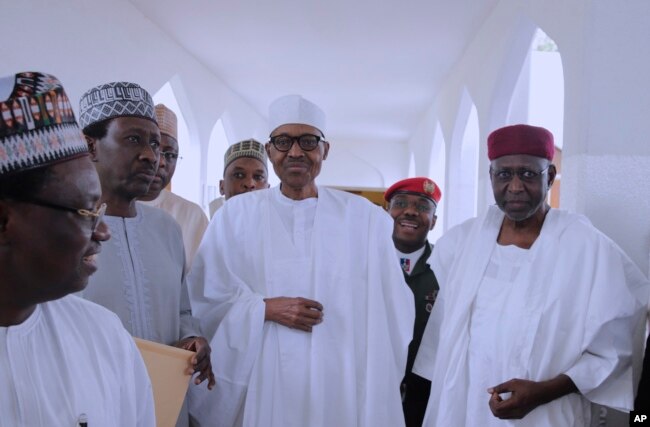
(294, 109)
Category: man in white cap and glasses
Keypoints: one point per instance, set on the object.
(298, 289)
(141, 274)
(63, 361)
(189, 215)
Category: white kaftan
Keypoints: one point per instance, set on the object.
(188, 215)
(335, 249)
(215, 205)
(141, 278)
(72, 357)
(572, 304)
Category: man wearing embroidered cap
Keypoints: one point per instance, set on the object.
(298, 288)
(141, 275)
(244, 170)
(412, 204)
(189, 215)
(51, 230)
(525, 326)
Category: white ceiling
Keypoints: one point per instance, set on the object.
(373, 66)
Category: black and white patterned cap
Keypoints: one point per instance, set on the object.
(248, 148)
(37, 124)
(117, 99)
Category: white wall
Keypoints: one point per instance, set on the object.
(605, 56)
(87, 43)
(364, 164)
(606, 145)
(606, 62)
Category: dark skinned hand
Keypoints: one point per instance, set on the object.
(527, 395)
(296, 313)
(201, 360)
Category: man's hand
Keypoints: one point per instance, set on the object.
(527, 395)
(295, 313)
(201, 360)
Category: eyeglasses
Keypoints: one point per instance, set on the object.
(422, 206)
(95, 216)
(306, 142)
(170, 156)
(525, 175)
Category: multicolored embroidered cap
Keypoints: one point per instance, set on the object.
(117, 99)
(37, 124)
(420, 186)
(247, 148)
(167, 122)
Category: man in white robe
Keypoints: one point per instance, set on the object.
(537, 309)
(187, 214)
(298, 288)
(63, 360)
(141, 270)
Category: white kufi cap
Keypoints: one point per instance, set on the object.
(294, 109)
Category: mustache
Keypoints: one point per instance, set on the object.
(151, 170)
(94, 249)
(297, 162)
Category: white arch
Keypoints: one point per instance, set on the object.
(187, 170)
(339, 158)
(437, 172)
(546, 100)
(411, 172)
(217, 147)
(462, 164)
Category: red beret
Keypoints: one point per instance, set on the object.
(420, 186)
(521, 139)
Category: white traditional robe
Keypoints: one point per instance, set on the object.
(335, 249)
(215, 205)
(141, 278)
(188, 215)
(72, 357)
(572, 309)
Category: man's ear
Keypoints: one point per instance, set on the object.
(4, 220)
(433, 221)
(326, 146)
(223, 193)
(552, 171)
(92, 147)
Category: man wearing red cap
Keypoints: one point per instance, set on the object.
(525, 326)
(412, 204)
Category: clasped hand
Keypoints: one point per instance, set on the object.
(296, 313)
(525, 396)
